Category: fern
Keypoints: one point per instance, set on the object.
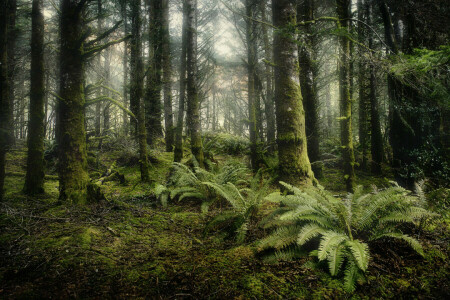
(342, 226)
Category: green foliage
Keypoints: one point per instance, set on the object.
(344, 226)
(245, 203)
(224, 143)
(201, 184)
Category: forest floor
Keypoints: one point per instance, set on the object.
(130, 246)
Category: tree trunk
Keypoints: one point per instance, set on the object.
(294, 165)
(193, 104)
(178, 155)
(269, 103)
(154, 82)
(251, 68)
(362, 89)
(345, 97)
(34, 180)
(308, 76)
(125, 68)
(376, 136)
(167, 77)
(4, 91)
(12, 64)
(137, 88)
(73, 175)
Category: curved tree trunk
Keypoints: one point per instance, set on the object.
(193, 103)
(34, 180)
(73, 175)
(294, 165)
(345, 97)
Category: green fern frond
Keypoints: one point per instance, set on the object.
(350, 276)
(360, 252)
(280, 238)
(335, 259)
(412, 242)
(308, 232)
(329, 241)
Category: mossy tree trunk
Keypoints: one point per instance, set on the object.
(193, 103)
(178, 155)
(269, 103)
(167, 77)
(345, 96)
(363, 100)
(4, 91)
(376, 142)
(251, 41)
(73, 175)
(137, 88)
(125, 67)
(308, 80)
(294, 165)
(153, 109)
(12, 61)
(98, 105)
(34, 180)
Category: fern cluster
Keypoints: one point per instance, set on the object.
(245, 203)
(198, 183)
(344, 227)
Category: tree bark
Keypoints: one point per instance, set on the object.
(73, 175)
(251, 91)
(34, 179)
(167, 77)
(294, 165)
(153, 108)
(345, 97)
(376, 136)
(178, 155)
(269, 103)
(125, 68)
(193, 103)
(4, 91)
(308, 77)
(12, 65)
(362, 89)
(137, 88)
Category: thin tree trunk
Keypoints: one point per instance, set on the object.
(362, 89)
(308, 76)
(125, 68)
(294, 165)
(12, 65)
(251, 66)
(178, 155)
(345, 97)
(193, 103)
(34, 180)
(376, 137)
(137, 88)
(73, 175)
(167, 77)
(4, 91)
(153, 108)
(269, 103)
